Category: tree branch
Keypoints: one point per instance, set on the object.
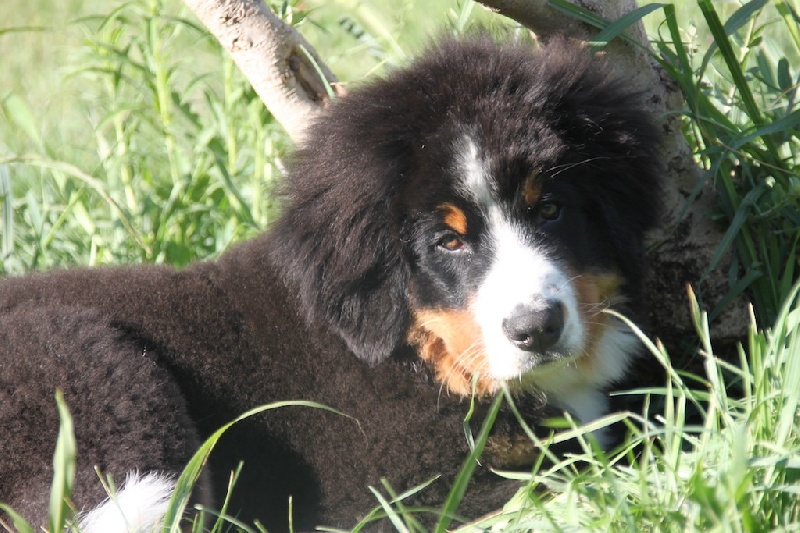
(272, 55)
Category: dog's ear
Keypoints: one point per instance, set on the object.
(598, 114)
(337, 240)
(605, 121)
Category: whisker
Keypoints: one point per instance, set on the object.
(467, 356)
(452, 369)
(464, 360)
(568, 281)
(567, 166)
(431, 320)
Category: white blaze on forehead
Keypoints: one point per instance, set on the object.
(473, 173)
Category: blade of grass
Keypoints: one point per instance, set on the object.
(63, 468)
(393, 517)
(785, 123)
(739, 18)
(20, 524)
(791, 20)
(224, 509)
(460, 485)
(617, 27)
(7, 199)
(377, 512)
(731, 61)
(735, 228)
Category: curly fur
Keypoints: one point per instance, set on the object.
(151, 360)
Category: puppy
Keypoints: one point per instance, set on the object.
(455, 227)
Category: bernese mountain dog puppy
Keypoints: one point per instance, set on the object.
(456, 227)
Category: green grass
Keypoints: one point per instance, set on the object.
(127, 135)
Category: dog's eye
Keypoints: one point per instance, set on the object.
(549, 211)
(451, 242)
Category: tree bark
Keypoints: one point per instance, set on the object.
(273, 56)
(270, 55)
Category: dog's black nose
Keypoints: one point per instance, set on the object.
(535, 329)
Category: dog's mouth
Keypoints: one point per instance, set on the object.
(454, 345)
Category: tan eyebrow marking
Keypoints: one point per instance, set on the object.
(454, 218)
(532, 189)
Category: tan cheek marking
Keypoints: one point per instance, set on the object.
(455, 218)
(595, 293)
(452, 343)
(532, 190)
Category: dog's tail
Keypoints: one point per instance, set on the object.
(139, 506)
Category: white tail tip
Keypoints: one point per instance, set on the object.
(138, 507)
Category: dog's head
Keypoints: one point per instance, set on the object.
(485, 204)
